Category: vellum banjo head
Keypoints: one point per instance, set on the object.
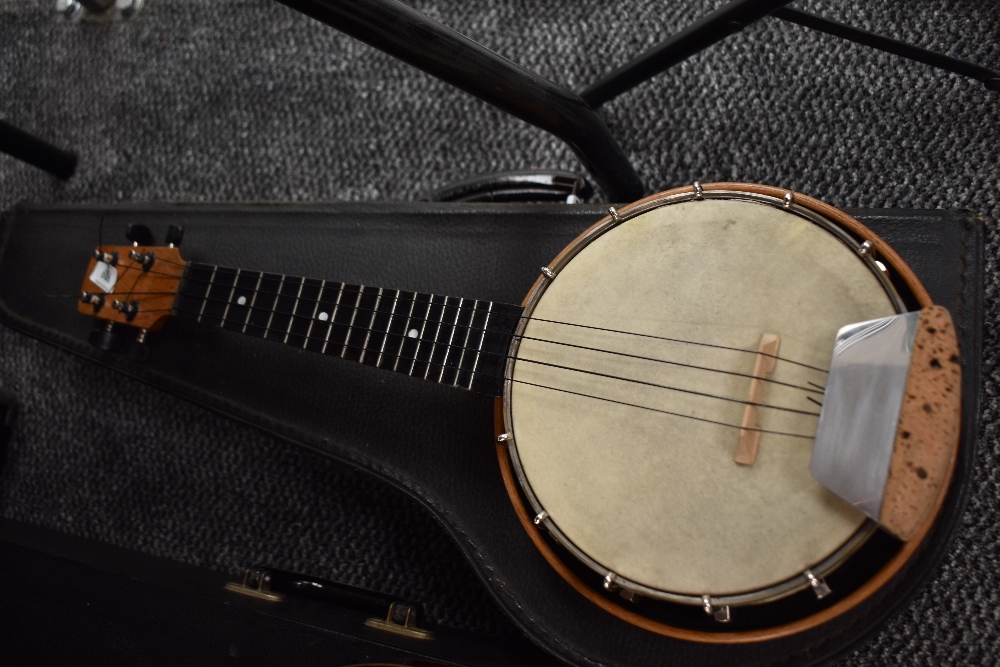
(662, 396)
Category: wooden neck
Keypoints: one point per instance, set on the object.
(459, 342)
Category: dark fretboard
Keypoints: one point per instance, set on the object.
(460, 342)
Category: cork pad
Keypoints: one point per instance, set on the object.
(927, 435)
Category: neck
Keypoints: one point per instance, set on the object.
(459, 342)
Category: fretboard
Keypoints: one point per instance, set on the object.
(454, 341)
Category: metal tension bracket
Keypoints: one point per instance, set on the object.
(401, 620)
(256, 584)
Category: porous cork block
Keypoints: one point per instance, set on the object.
(929, 421)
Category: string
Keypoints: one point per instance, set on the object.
(522, 337)
(469, 326)
(343, 290)
(444, 365)
(666, 412)
(662, 386)
(504, 356)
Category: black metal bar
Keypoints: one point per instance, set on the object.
(36, 152)
(440, 51)
(697, 37)
(988, 77)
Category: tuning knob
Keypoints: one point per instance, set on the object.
(137, 350)
(106, 339)
(174, 235)
(139, 234)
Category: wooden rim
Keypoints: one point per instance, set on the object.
(889, 570)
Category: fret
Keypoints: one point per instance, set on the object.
(259, 318)
(350, 325)
(275, 304)
(451, 338)
(281, 310)
(192, 293)
(434, 341)
(229, 300)
(301, 319)
(473, 329)
(237, 311)
(312, 318)
(479, 348)
(379, 329)
(465, 341)
(295, 308)
(406, 331)
(493, 348)
(420, 335)
(253, 300)
(371, 325)
(208, 289)
(333, 316)
(213, 308)
(388, 330)
(411, 345)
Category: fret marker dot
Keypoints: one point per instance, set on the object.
(242, 301)
(323, 317)
(412, 333)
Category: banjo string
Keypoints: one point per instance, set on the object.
(663, 386)
(343, 290)
(443, 364)
(666, 412)
(816, 389)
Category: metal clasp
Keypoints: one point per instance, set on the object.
(401, 620)
(720, 614)
(262, 590)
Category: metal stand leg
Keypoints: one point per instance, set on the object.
(696, 37)
(440, 51)
(989, 78)
(36, 152)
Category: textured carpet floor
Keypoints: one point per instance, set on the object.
(246, 100)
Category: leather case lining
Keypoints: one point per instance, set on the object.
(435, 442)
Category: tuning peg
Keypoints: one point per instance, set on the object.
(95, 300)
(106, 257)
(137, 350)
(174, 235)
(139, 235)
(106, 339)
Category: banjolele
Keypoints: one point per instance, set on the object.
(692, 425)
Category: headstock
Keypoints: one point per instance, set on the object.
(133, 285)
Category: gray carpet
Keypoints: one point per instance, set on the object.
(247, 100)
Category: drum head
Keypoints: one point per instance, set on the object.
(630, 383)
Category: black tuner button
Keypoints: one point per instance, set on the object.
(105, 339)
(137, 350)
(175, 233)
(145, 259)
(95, 300)
(139, 234)
(127, 308)
(107, 257)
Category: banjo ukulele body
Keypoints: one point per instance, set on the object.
(640, 478)
(658, 396)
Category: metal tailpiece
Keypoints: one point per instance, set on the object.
(860, 413)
